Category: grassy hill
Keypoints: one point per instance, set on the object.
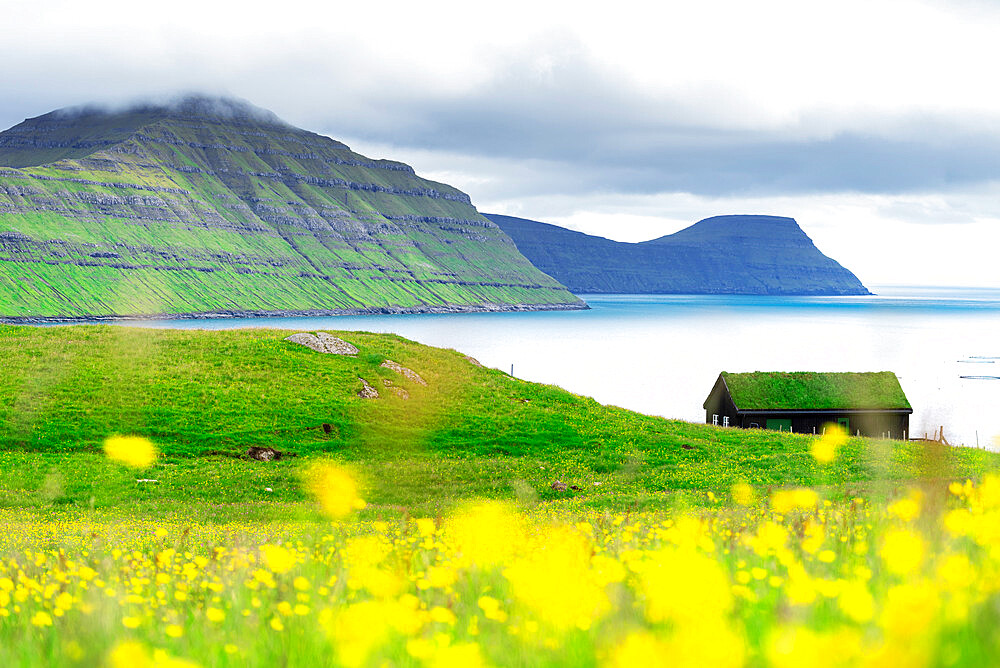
(212, 205)
(205, 397)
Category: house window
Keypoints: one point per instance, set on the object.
(725, 421)
(715, 419)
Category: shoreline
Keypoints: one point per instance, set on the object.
(306, 313)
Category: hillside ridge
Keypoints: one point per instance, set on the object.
(209, 205)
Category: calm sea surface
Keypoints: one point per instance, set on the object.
(661, 354)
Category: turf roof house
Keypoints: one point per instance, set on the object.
(872, 404)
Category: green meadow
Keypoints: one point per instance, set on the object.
(204, 397)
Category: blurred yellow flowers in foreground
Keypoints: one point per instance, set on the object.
(134, 451)
(334, 488)
(787, 579)
(824, 449)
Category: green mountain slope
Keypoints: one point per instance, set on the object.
(211, 205)
(753, 255)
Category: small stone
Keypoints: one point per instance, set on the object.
(403, 371)
(322, 342)
(263, 454)
(336, 346)
(367, 391)
(559, 486)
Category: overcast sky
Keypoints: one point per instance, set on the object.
(875, 124)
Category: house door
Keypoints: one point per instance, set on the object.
(845, 423)
(780, 424)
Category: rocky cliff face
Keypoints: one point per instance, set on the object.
(760, 255)
(215, 206)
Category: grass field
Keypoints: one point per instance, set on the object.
(684, 543)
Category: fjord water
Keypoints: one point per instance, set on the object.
(661, 354)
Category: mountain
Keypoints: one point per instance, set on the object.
(213, 206)
(754, 255)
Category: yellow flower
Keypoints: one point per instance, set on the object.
(824, 449)
(357, 630)
(420, 648)
(640, 648)
(856, 602)
(910, 610)
(215, 615)
(174, 631)
(464, 655)
(129, 654)
(41, 618)
(426, 526)
(442, 615)
(795, 647)
(334, 489)
(907, 509)
(682, 585)
(134, 451)
(491, 609)
(131, 622)
(277, 558)
(956, 572)
(786, 500)
(902, 551)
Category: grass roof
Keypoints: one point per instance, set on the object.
(810, 390)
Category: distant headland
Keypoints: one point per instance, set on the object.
(753, 255)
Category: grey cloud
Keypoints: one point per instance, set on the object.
(554, 121)
(605, 133)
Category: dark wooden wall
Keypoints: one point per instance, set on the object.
(874, 423)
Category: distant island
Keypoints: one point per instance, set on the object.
(742, 254)
(213, 207)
